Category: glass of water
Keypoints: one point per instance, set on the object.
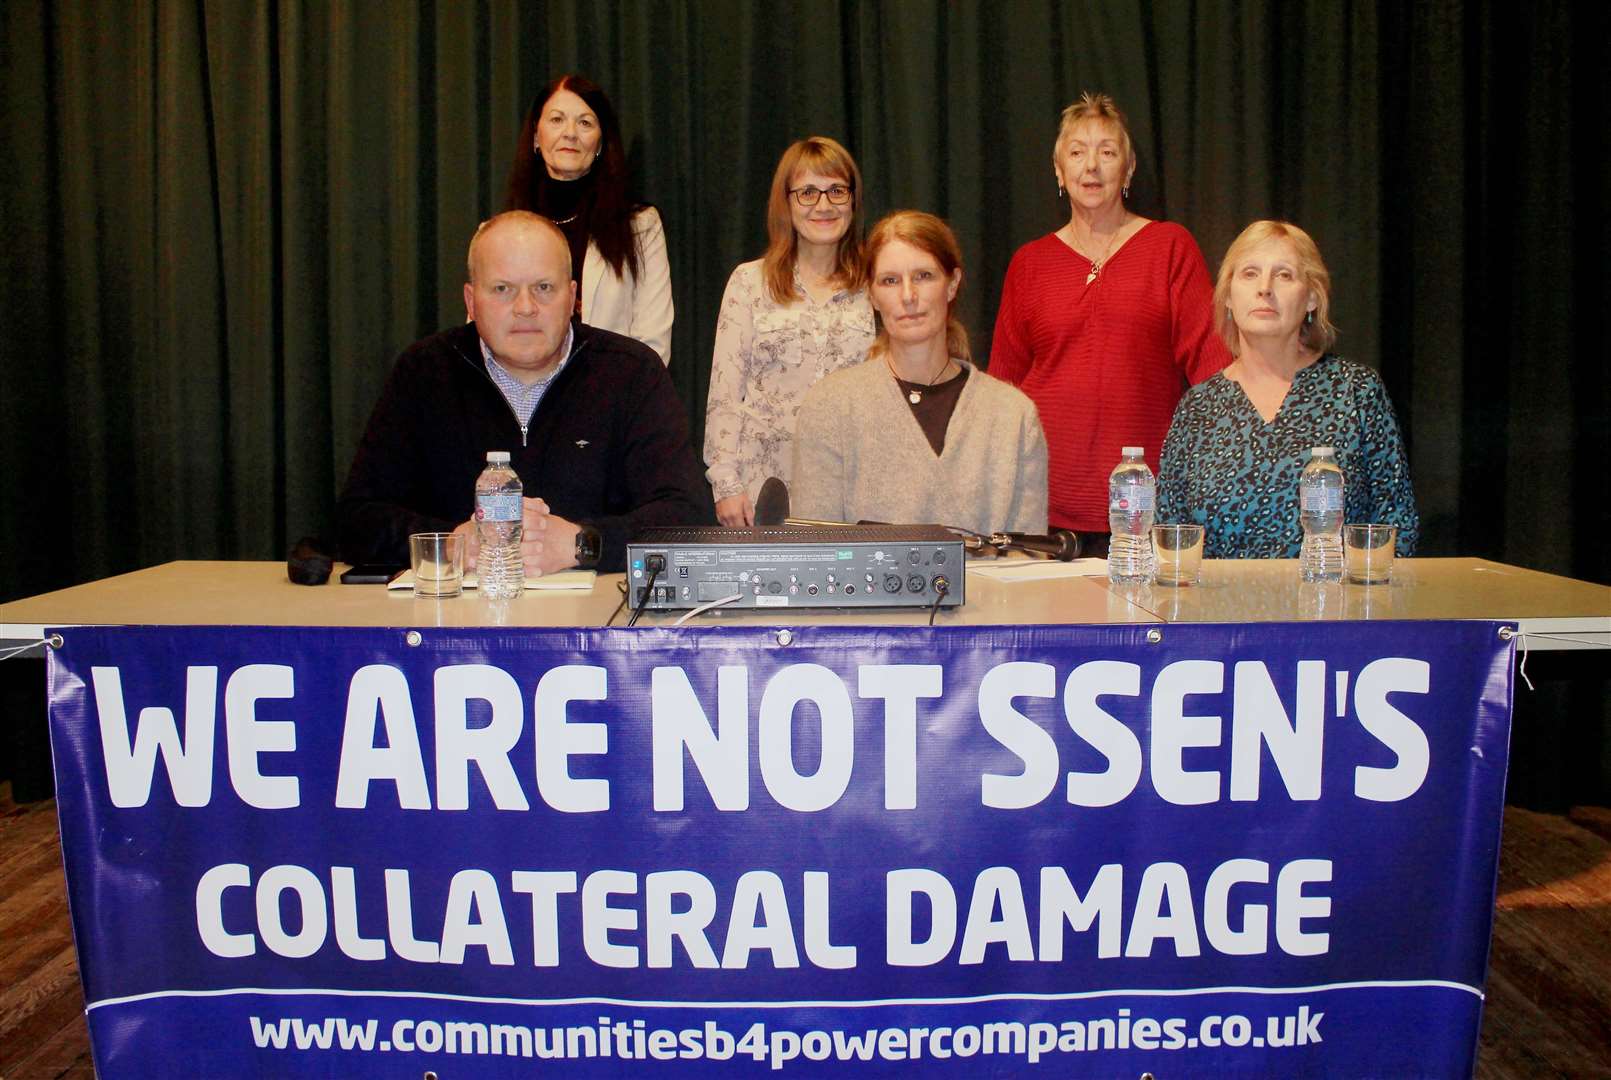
(438, 564)
(1368, 552)
(1179, 549)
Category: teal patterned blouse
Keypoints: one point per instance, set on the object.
(1237, 476)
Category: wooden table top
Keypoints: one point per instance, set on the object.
(1231, 591)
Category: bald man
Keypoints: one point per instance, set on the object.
(589, 418)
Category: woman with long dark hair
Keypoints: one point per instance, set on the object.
(570, 167)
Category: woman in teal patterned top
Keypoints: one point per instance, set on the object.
(1239, 439)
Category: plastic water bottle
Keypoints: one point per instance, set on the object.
(500, 573)
(1132, 493)
(1320, 512)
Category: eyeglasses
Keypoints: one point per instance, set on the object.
(839, 195)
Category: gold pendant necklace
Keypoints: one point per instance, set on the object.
(1098, 264)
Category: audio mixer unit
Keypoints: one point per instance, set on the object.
(790, 566)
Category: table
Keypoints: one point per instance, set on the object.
(1070, 623)
(1569, 620)
(1555, 613)
(1561, 731)
(257, 593)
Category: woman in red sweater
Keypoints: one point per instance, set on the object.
(1104, 322)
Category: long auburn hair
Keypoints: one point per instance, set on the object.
(609, 222)
(1317, 336)
(818, 154)
(932, 235)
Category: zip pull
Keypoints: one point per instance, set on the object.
(523, 436)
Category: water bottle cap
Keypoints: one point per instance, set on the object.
(497, 457)
(1133, 451)
(1322, 451)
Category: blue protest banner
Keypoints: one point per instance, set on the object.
(1264, 849)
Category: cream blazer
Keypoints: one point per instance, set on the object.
(637, 306)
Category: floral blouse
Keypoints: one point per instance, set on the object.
(767, 356)
(1226, 469)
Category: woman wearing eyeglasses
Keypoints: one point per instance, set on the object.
(787, 319)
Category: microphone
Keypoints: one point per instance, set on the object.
(1060, 544)
(772, 503)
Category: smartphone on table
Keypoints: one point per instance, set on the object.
(370, 574)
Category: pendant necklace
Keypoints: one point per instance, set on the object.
(914, 393)
(1098, 264)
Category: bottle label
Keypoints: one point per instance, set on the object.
(500, 507)
(1130, 498)
(1320, 500)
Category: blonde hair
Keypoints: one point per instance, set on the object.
(929, 234)
(818, 154)
(1099, 107)
(1317, 336)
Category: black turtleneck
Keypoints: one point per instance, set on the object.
(567, 204)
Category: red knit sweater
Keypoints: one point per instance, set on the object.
(1105, 363)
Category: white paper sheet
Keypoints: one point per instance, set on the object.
(565, 579)
(1038, 569)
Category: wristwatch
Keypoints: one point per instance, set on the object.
(589, 546)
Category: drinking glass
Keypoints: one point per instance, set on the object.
(1179, 549)
(438, 562)
(1368, 551)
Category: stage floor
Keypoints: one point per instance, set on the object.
(1549, 984)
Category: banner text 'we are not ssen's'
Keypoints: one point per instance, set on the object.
(310, 852)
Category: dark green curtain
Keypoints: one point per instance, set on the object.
(221, 220)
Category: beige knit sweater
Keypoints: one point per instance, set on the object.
(859, 454)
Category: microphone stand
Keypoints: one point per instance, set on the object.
(1060, 544)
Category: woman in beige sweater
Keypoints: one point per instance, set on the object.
(916, 433)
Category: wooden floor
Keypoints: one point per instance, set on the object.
(42, 1030)
(1549, 986)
